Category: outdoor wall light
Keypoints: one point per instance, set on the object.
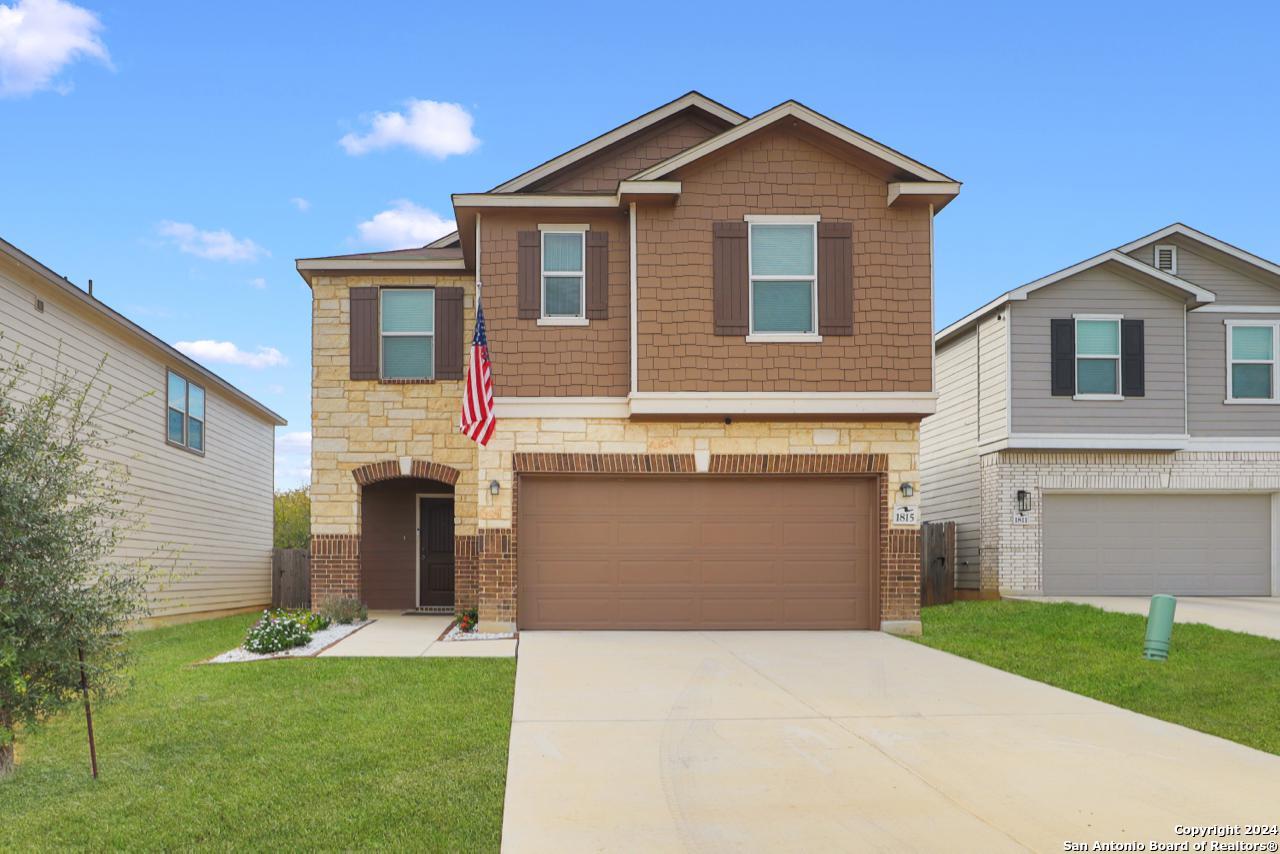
(1024, 501)
(494, 487)
(907, 490)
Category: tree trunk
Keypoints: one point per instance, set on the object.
(6, 744)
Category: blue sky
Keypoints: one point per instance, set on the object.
(183, 155)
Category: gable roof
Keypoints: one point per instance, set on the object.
(1111, 256)
(691, 100)
(1205, 240)
(798, 111)
(127, 326)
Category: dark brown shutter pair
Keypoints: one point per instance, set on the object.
(364, 334)
(731, 287)
(529, 275)
(1062, 358)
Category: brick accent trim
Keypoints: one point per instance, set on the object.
(799, 463)
(335, 567)
(388, 469)
(529, 463)
(466, 569)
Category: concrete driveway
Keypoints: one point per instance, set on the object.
(846, 741)
(1255, 615)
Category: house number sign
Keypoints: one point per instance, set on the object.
(903, 515)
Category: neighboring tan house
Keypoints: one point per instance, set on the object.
(712, 347)
(1114, 428)
(199, 452)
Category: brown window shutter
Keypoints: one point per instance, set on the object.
(835, 278)
(449, 333)
(529, 274)
(597, 275)
(729, 277)
(364, 333)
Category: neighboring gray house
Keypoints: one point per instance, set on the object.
(199, 452)
(1114, 428)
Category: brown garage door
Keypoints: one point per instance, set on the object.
(697, 552)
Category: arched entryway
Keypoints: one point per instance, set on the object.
(406, 544)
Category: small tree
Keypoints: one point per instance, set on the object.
(63, 591)
(293, 519)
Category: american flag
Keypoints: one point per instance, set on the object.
(477, 401)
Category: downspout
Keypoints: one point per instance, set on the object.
(631, 223)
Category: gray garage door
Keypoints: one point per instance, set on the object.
(1192, 545)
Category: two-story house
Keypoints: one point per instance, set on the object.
(1114, 428)
(193, 453)
(711, 339)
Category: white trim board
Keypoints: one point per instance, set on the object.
(1097, 441)
(719, 404)
(1115, 256)
(573, 155)
(798, 111)
(1204, 239)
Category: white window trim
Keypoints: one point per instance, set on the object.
(755, 337)
(579, 319)
(1076, 318)
(1173, 253)
(382, 371)
(1274, 362)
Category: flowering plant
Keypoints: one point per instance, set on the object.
(467, 620)
(273, 634)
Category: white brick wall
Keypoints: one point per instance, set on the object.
(1011, 553)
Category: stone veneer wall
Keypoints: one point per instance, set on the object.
(357, 424)
(1011, 554)
(371, 428)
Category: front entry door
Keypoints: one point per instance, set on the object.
(435, 558)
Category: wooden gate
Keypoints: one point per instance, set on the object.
(937, 563)
(290, 578)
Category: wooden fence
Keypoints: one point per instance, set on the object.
(937, 563)
(290, 578)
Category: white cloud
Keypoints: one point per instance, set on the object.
(428, 127)
(258, 283)
(403, 225)
(224, 352)
(293, 459)
(300, 203)
(275, 388)
(38, 38)
(219, 245)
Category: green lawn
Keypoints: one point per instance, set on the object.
(1219, 682)
(302, 754)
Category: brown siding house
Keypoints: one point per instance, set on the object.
(712, 350)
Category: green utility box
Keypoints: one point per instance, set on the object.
(1159, 627)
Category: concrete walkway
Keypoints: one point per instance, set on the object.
(394, 635)
(1255, 615)
(840, 741)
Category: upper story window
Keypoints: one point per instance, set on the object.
(1252, 347)
(184, 413)
(1097, 356)
(408, 333)
(783, 273)
(564, 278)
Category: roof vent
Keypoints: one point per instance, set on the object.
(39, 305)
(1167, 258)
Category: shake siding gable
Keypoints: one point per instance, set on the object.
(1097, 291)
(208, 519)
(780, 171)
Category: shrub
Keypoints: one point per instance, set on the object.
(467, 619)
(344, 610)
(309, 620)
(273, 634)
